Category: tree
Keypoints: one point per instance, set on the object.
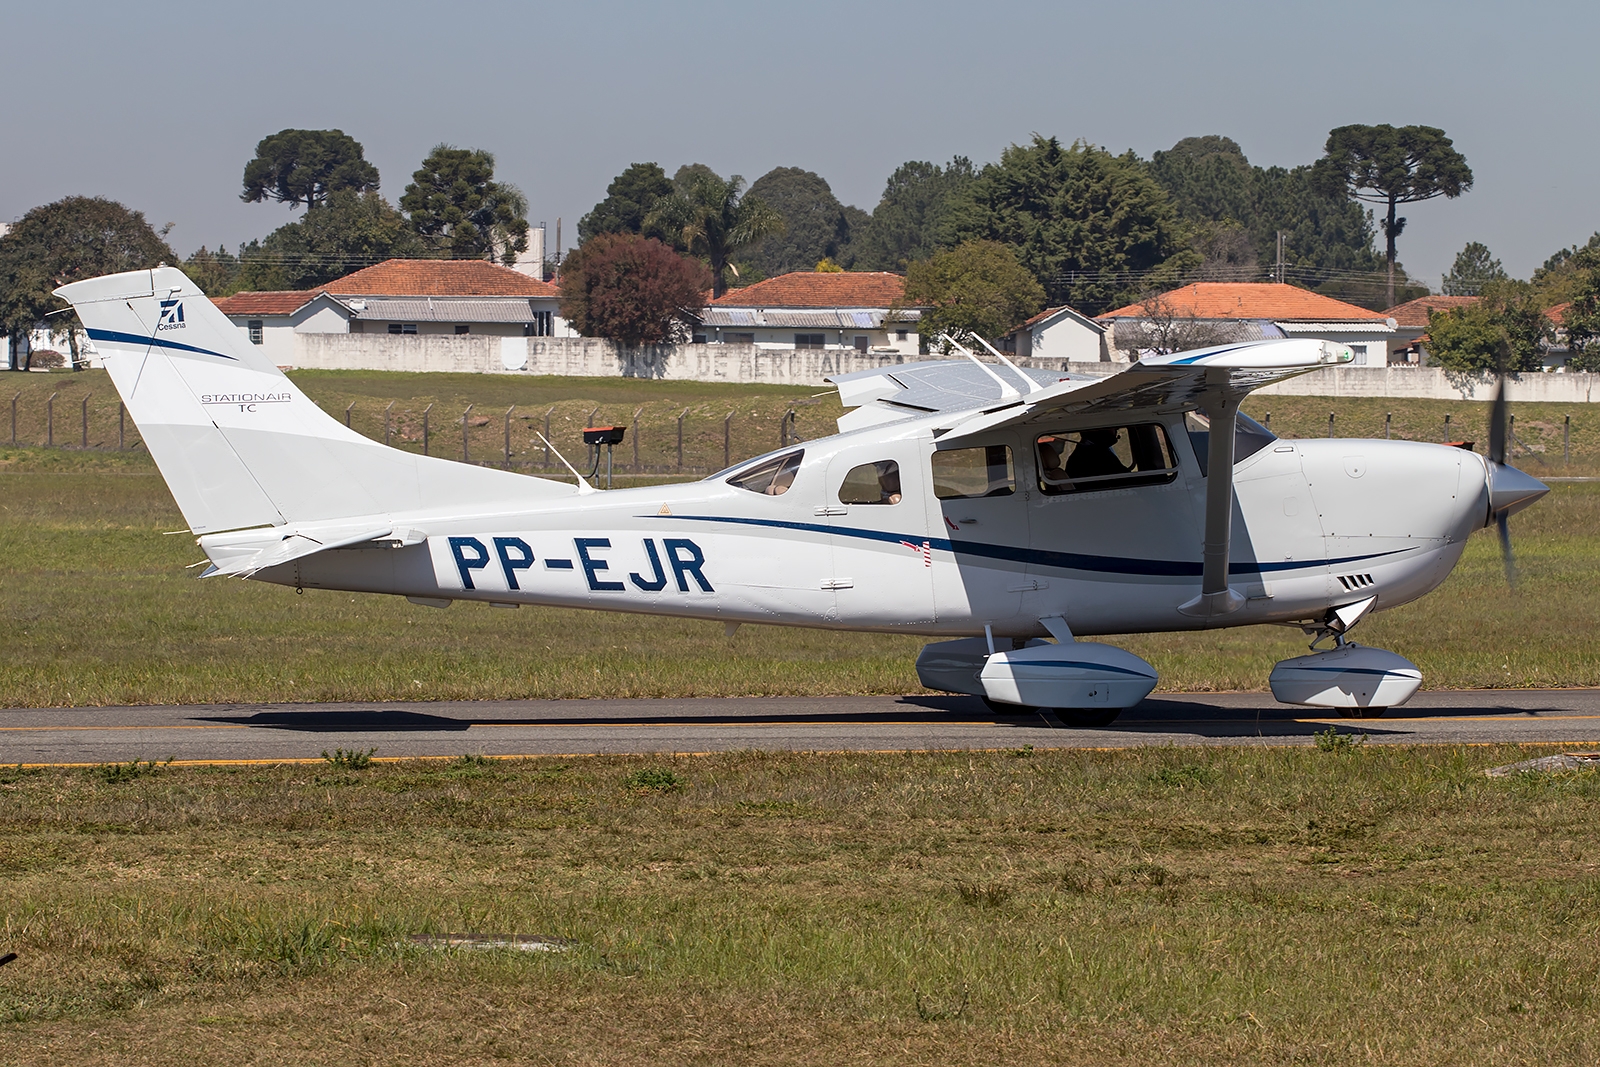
(814, 224)
(74, 238)
(1474, 266)
(1557, 280)
(1208, 179)
(1581, 317)
(910, 219)
(216, 273)
(1093, 228)
(630, 199)
(631, 289)
(350, 231)
(1507, 326)
(1393, 165)
(297, 167)
(459, 209)
(714, 219)
(978, 288)
(1162, 328)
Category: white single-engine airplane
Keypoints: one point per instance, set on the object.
(986, 504)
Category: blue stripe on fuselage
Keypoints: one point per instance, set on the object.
(1073, 561)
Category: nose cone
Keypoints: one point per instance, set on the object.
(1511, 490)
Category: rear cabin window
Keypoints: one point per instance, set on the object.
(771, 478)
(872, 483)
(1105, 457)
(961, 473)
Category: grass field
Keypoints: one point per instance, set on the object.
(99, 609)
(1158, 906)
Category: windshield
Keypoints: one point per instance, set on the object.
(1249, 437)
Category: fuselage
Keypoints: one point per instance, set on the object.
(997, 537)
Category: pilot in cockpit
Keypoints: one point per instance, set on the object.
(1094, 456)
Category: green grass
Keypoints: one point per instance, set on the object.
(1155, 906)
(99, 609)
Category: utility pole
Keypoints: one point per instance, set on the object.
(1279, 270)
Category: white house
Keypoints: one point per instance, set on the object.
(403, 297)
(1253, 311)
(815, 309)
(1059, 333)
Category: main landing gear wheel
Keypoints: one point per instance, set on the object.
(1362, 713)
(1077, 718)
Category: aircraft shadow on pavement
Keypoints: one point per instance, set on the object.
(1154, 716)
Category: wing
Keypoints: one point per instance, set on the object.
(907, 390)
(1160, 383)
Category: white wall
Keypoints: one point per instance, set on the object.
(1069, 339)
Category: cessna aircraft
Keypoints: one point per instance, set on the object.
(1008, 511)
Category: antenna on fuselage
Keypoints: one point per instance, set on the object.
(583, 483)
(1006, 388)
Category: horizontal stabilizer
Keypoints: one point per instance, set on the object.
(244, 552)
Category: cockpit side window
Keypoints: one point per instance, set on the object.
(771, 478)
(961, 473)
(872, 483)
(1105, 457)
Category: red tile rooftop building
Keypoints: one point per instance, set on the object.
(1253, 300)
(819, 289)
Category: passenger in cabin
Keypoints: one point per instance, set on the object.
(1094, 457)
(1051, 450)
(889, 482)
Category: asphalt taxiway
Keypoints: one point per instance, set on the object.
(219, 733)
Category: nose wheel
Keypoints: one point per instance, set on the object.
(1076, 718)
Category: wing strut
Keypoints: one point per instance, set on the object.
(1216, 596)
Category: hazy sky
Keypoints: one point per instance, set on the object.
(161, 105)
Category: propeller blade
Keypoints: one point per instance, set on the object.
(1497, 423)
(1503, 523)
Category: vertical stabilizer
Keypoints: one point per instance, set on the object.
(237, 442)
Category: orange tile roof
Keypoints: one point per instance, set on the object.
(1414, 313)
(1253, 300)
(813, 289)
(282, 302)
(440, 277)
(1558, 314)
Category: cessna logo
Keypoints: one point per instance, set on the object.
(171, 315)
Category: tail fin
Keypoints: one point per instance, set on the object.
(237, 442)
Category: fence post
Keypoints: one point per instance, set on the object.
(509, 410)
(386, 430)
(1330, 424)
(1566, 440)
(425, 428)
(727, 441)
(680, 439)
(19, 397)
(1511, 436)
(50, 421)
(347, 414)
(466, 456)
(635, 429)
(547, 437)
(1387, 417)
(1268, 423)
(84, 419)
(1447, 426)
